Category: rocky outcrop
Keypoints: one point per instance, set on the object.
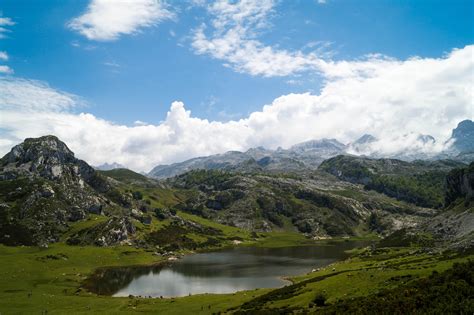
(46, 187)
(460, 185)
(49, 158)
(316, 205)
(462, 137)
(453, 226)
(114, 231)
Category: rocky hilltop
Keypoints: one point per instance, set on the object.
(463, 137)
(44, 188)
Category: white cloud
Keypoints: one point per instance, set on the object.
(232, 36)
(233, 39)
(391, 99)
(140, 123)
(5, 21)
(34, 97)
(107, 20)
(3, 56)
(5, 69)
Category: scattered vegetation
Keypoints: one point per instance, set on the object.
(421, 183)
(449, 292)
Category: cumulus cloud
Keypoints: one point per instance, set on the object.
(232, 36)
(34, 96)
(107, 20)
(3, 56)
(5, 69)
(394, 100)
(234, 39)
(4, 22)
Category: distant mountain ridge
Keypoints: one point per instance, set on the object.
(303, 156)
(108, 167)
(310, 154)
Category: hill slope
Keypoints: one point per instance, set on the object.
(319, 205)
(419, 182)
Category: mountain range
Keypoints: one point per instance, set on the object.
(309, 155)
(45, 190)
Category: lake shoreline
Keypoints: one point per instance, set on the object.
(92, 283)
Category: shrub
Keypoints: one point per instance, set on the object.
(137, 195)
(320, 299)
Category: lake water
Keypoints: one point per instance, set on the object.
(224, 271)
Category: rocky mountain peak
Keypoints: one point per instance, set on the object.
(426, 139)
(46, 157)
(366, 138)
(464, 125)
(107, 167)
(325, 144)
(463, 136)
(43, 150)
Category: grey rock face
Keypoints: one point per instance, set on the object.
(460, 185)
(115, 231)
(463, 136)
(95, 208)
(47, 191)
(53, 189)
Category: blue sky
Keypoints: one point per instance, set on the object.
(117, 79)
(149, 70)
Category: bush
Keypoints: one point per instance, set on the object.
(137, 195)
(161, 214)
(319, 299)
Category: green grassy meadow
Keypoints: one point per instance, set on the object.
(36, 280)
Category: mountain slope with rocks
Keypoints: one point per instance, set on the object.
(318, 205)
(418, 182)
(45, 189)
(453, 226)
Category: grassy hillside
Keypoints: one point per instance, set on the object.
(127, 176)
(422, 183)
(316, 205)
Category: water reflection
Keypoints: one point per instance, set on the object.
(223, 271)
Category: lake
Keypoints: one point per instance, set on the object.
(223, 271)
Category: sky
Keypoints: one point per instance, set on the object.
(147, 82)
